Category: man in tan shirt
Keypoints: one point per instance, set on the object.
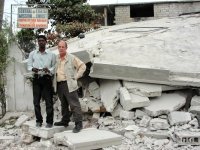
(68, 69)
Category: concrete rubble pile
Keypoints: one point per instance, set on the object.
(133, 94)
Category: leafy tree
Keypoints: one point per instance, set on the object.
(70, 18)
(68, 11)
(65, 11)
(26, 38)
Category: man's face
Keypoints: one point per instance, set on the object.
(42, 43)
(62, 48)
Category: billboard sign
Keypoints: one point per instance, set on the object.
(32, 17)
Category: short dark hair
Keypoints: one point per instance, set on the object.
(42, 36)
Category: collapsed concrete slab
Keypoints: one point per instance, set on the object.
(159, 124)
(130, 101)
(91, 104)
(109, 90)
(195, 101)
(94, 90)
(159, 134)
(23, 118)
(117, 110)
(145, 121)
(153, 57)
(108, 70)
(89, 138)
(139, 113)
(43, 132)
(127, 114)
(143, 89)
(178, 117)
(195, 109)
(165, 104)
(147, 89)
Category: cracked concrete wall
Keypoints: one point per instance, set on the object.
(122, 13)
(19, 91)
(175, 9)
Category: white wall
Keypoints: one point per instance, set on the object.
(19, 91)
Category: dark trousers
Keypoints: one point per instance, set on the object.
(42, 88)
(69, 99)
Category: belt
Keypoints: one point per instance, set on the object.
(60, 82)
(42, 76)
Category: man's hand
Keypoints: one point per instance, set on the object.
(46, 70)
(35, 70)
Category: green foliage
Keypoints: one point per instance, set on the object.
(73, 29)
(65, 11)
(3, 50)
(4, 40)
(25, 39)
(68, 11)
(70, 17)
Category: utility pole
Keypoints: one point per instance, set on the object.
(1, 13)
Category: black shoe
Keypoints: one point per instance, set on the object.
(49, 125)
(78, 127)
(38, 124)
(65, 124)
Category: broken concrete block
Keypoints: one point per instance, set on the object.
(83, 103)
(145, 121)
(159, 124)
(129, 135)
(94, 90)
(171, 88)
(94, 105)
(116, 111)
(130, 101)
(179, 118)
(89, 138)
(195, 109)
(126, 123)
(165, 104)
(109, 90)
(159, 134)
(45, 144)
(143, 89)
(6, 139)
(133, 128)
(91, 104)
(187, 138)
(140, 114)
(44, 132)
(194, 123)
(107, 70)
(163, 116)
(21, 120)
(27, 138)
(195, 101)
(139, 101)
(106, 121)
(125, 98)
(126, 114)
(161, 142)
(96, 116)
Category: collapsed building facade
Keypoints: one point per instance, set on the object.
(136, 83)
(125, 11)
